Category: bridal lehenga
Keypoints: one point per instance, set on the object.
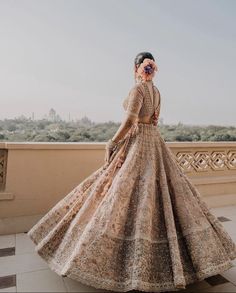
(137, 222)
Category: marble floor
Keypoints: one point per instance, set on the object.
(22, 270)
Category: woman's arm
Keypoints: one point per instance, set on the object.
(135, 102)
(124, 128)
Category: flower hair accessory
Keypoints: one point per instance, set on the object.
(147, 69)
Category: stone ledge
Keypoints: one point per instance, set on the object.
(53, 146)
(101, 145)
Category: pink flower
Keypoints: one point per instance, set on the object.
(147, 69)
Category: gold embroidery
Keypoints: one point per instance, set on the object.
(137, 223)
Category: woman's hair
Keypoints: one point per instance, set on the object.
(145, 66)
(141, 56)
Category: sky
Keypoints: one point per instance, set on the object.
(76, 56)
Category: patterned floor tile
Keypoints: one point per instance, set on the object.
(24, 244)
(216, 280)
(7, 281)
(40, 281)
(230, 275)
(7, 251)
(7, 241)
(6, 290)
(74, 286)
(21, 263)
(227, 287)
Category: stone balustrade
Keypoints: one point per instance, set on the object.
(36, 175)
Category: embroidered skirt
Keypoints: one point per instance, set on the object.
(137, 223)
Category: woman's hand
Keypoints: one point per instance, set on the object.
(121, 133)
(109, 150)
(107, 156)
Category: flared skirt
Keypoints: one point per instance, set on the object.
(141, 226)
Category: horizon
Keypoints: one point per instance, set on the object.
(75, 120)
(77, 57)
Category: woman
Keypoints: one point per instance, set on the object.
(137, 222)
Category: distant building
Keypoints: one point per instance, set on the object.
(53, 116)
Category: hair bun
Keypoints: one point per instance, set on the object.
(147, 69)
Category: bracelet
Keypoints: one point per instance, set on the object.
(111, 144)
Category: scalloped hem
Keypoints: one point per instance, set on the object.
(111, 285)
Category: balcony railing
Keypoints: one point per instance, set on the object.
(34, 176)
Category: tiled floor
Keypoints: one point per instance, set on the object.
(22, 270)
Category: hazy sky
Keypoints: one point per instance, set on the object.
(76, 56)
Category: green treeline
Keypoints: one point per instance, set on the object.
(84, 130)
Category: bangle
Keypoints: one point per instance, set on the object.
(111, 144)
